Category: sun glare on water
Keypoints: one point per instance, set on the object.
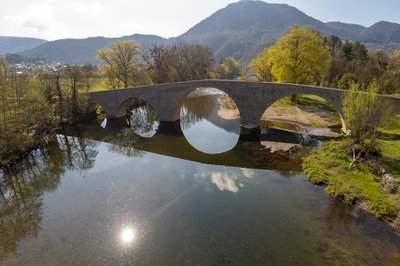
(128, 235)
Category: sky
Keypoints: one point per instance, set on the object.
(58, 19)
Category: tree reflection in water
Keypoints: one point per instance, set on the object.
(197, 108)
(126, 143)
(23, 184)
(142, 119)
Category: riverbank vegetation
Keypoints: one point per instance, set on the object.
(363, 168)
(372, 185)
(33, 107)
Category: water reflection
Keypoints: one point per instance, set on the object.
(184, 211)
(203, 126)
(230, 181)
(142, 119)
(103, 124)
(169, 141)
(22, 186)
(126, 143)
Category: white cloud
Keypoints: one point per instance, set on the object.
(94, 8)
(35, 24)
(54, 19)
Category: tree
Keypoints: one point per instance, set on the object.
(363, 113)
(192, 61)
(298, 57)
(121, 59)
(160, 64)
(24, 113)
(90, 76)
(228, 69)
(180, 62)
(75, 82)
(390, 79)
(262, 67)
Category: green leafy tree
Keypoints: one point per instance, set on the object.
(390, 79)
(262, 67)
(120, 60)
(363, 113)
(299, 57)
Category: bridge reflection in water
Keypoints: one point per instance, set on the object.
(203, 130)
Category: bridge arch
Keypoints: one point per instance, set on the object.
(183, 97)
(96, 107)
(334, 102)
(140, 116)
(133, 102)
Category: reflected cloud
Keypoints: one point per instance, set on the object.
(249, 173)
(229, 181)
(225, 181)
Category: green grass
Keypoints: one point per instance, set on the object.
(390, 160)
(316, 101)
(391, 126)
(330, 166)
(306, 100)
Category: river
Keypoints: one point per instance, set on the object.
(197, 192)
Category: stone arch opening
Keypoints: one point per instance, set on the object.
(310, 114)
(210, 120)
(206, 91)
(140, 116)
(96, 112)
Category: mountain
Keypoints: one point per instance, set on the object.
(83, 51)
(241, 30)
(244, 28)
(382, 32)
(345, 30)
(12, 45)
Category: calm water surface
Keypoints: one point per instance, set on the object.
(109, 197)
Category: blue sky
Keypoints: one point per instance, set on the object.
(56, 19)
(364, 12)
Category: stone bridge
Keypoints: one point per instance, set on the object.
(251, 98)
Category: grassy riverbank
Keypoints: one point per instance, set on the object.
(363, 185)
